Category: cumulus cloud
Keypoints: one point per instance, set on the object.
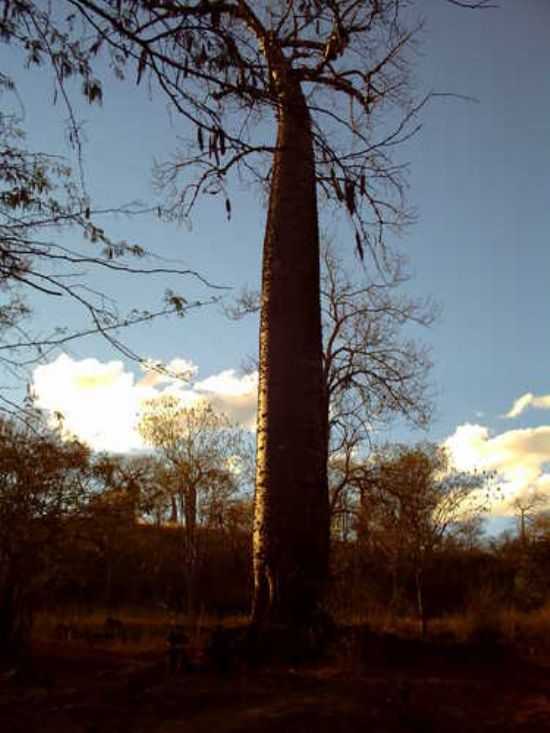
(101, 401)
(520, 457)
(177, 370)
(542, 402)
(232, 394)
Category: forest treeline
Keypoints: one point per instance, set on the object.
(80, 530)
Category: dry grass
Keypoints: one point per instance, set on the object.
(529, 631)
(142, 631)
(145, 630)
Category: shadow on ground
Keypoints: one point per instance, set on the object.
(388, 686)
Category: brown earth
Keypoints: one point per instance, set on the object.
(72, 689)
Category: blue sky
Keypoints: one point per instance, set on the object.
(479, 183)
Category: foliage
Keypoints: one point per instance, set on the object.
(416, 494)
(411, 501)
(42, 484)
(40, 200)
(205, 466)
(204, 451)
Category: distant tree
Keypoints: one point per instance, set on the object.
(527, 507)
(373, 371)
(412, 500)
(540, 525)
(121, 486)
(43, 484)
(205, 455)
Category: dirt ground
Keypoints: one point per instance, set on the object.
(79, 690)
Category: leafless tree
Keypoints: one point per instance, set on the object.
(43, 483)
(526, 507)
(373, 372)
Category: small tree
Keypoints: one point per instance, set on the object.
(527, 507)
(205, 453)
(43, 485)
(412, 500)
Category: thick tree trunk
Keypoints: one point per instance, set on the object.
(291, 521)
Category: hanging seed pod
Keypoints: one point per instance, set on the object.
(141, 64)
(349, 189)
(200, 138)
(336, 185)
(363, 184)
(214, 148)
(359, 246)
(221, 135)
(203, 56)
(228, 209)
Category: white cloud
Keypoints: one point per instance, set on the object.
(234, 395)
(541, 402)
(101, 401)
(519, 456)
(176, 371)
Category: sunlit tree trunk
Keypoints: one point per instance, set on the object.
(291, 522)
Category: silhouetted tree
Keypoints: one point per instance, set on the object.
(411, 501)
(205, 453)
(373, 372)
(43, 482)
(526, 507)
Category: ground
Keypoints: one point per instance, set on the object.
(403, 687)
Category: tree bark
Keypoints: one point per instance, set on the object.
(191, 550)
(291, 519)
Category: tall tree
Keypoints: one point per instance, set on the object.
(330, 70)
(326, 69)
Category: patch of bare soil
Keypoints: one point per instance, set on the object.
(73, 690)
